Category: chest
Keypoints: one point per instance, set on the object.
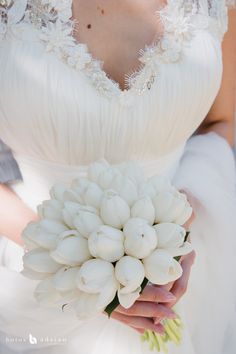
(115, 33)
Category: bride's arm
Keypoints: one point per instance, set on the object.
(220, 119)
(14, 214)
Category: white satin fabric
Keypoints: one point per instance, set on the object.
(56, 123)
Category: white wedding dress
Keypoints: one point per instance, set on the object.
(59, 112)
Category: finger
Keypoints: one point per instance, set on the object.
(156, 294)
(180, 286)
(147, 309)
(190, 221)
(137, 322)
(167, 287)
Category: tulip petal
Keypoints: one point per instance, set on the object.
(46, 294)
(127, 300)
(40, 261)
(186, 248)
(65, 279)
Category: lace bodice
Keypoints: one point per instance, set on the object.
(55, 26)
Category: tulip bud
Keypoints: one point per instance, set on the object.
(96, 168)
(143, 208)
(106, 243)
(92, 195)
(131, 170)
(114, 210)
(126, 189)
(39, 260)
(130, 273)
(161, 268)
(170, 235)
(44, 233)
(72, 250)
(171, 207)
(71, 195)
(50, 209)
(86, 306)
(107, 177)
(87, 222)
(140, 238)
(71, 210)
(94, 275)
(46, 294)
(65, 278)
(154, 186)
(57, 191)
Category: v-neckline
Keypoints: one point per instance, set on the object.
(136, 73)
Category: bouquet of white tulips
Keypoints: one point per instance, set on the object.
(99, 241)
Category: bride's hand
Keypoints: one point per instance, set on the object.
(155, 302)
(150, 304)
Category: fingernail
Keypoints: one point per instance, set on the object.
(171, 315)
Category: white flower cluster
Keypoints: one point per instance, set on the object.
(104, 235)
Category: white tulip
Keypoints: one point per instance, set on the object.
(86, 306)
(50, 209)
(92, 195)
(140, 238)
(127, 300)
(57, 191)
(87, 222)
(107, 177)
(126, 189)
(96, 168)
(106, 243)
(186, 248)
(44, 233)
(131, 170)
(39, 260)
(65, 278)
(161, 268)
(71, 210)
(72, 250)
(170, 235)
(160, 183)
(143, 208)
(94, 275)
(71, 195)
(154, 186)
(80, 184)
(28, 235)
(130, 273)
(114, 210)
(171, 206)
(46, 294)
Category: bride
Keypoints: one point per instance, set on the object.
(75, 87)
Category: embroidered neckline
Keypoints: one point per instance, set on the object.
(53, 18)
(177, 29)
